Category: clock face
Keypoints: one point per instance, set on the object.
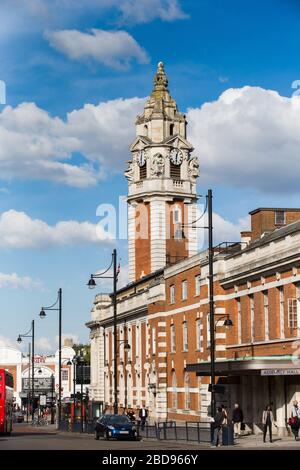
(141, 158)
(176, 156)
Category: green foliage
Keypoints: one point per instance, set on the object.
(83, 350)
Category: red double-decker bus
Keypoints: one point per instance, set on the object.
(6, 401)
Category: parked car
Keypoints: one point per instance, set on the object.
(115, 426)
(18, 416)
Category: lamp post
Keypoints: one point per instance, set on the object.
(211, 302)
(28, 391)
(30, 334)
(52, 398)
(91, 284)
(43, 315)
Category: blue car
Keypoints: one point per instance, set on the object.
(115, 426)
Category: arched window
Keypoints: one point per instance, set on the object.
(187, 395)
(177, 222)
(171, 129)
(174, 390)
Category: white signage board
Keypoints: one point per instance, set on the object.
(269, 372)
(43, 400)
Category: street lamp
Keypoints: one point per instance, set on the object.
(227, 322)
(91, 284)
(30, 334)
(42, 316)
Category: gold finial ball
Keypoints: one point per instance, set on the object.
(160, 65)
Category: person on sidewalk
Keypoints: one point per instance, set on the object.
(268, 420)
(294, 420)
(216, 427)
(237, 419)
(131, 415)
(225, 415)
(143, 415)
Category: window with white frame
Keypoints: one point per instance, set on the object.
(281, 311)
(177, 221)
(251, 300)
(137, 340)
(197, 284)
(198, 334)
(187, 394)
(107, 347)
(279, 218)
(64, 374)
(174, 390)
(266, 315)
(208, 330)
(173, 338)
(153, 340)
(292, 313)
(185, 336)
(184, 290)
(239, 321)
(199, 393)
(172, 294)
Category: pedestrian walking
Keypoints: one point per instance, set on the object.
(225, 415)
(268, 420)
(143, 415)
(131, 415)
(217, 427)
(237, 419)
(294, 420)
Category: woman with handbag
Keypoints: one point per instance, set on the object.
(294, 420)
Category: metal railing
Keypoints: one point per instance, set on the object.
(170, 430)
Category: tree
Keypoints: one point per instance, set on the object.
(83, 350)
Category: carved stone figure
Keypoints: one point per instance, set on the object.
(193, 169)
(129, 172)
(158, 164)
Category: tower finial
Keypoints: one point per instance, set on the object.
(160, 79)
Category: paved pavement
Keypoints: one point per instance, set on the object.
(26, 437)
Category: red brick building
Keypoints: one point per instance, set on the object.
(164, 312)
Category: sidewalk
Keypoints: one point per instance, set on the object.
(256, 442)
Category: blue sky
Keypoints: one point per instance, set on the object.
(76, 75)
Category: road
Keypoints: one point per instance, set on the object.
(25, 437)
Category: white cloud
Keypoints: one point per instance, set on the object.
(18, 230)
(34, 15)
(14, 281)
(226, 231)
(144, 11)
(44, 345)
(35, 145)
(115, 49)
(249, 137)
(7, 342)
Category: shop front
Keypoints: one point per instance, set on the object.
(254, 383)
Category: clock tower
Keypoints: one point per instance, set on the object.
(161, 178)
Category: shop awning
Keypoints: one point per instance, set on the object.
(265, 366)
